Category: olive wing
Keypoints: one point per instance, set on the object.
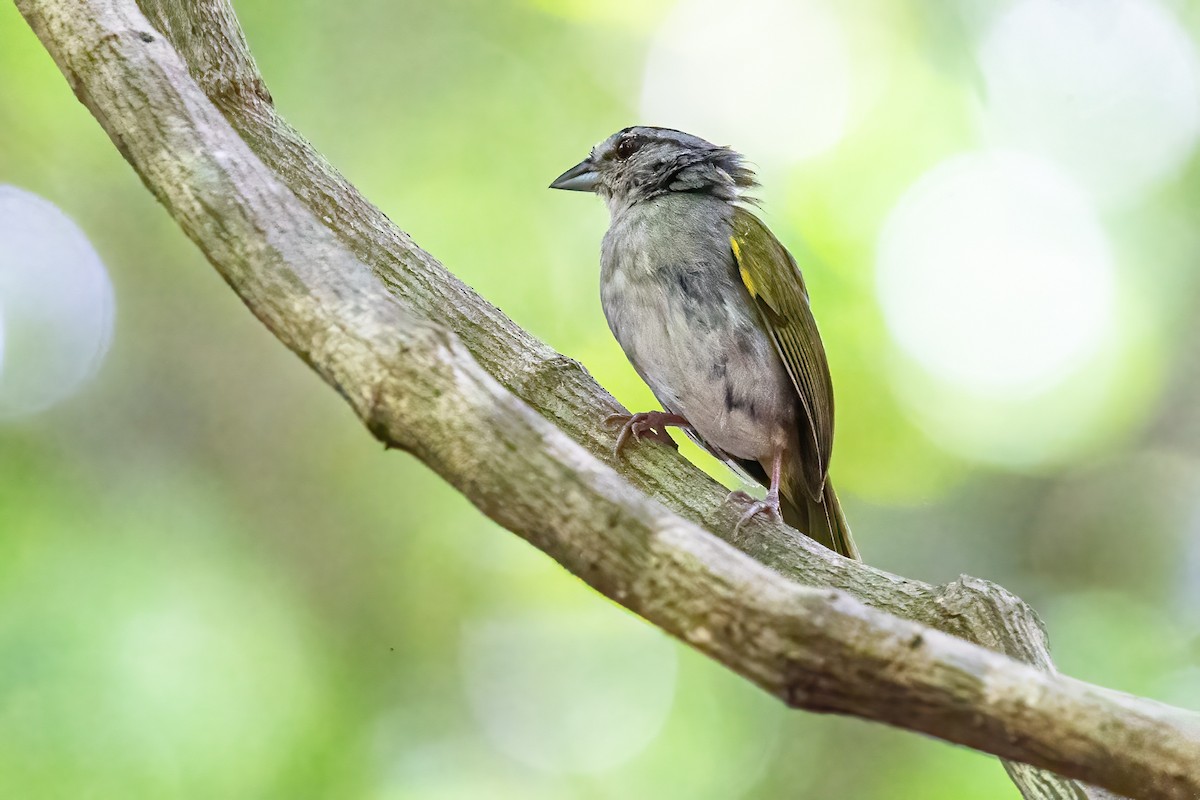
(777, 288)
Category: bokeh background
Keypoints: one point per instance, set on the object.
(214, 583)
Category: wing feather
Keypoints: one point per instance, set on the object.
(777, 287)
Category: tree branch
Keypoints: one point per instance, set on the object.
(294, 239)
(208, 36)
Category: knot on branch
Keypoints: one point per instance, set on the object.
(230, 94)
(550, 372)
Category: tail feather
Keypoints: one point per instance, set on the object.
(822, 520)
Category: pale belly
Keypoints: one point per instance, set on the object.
(704, 358)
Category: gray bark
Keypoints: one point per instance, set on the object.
(517, 429)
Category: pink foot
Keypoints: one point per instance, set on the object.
(646, 425)
(768, 505)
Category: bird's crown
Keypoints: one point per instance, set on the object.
(642, 162)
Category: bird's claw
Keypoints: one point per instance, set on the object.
(769, 506)
(646, 425)
(738, 496)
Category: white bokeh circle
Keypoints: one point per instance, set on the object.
(770, 77)
(569, 692)
(56, 305)
(994, 274)
(1108, 88)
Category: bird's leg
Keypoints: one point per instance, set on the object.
(646, 425)
(770, 503)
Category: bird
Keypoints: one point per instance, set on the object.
(713, 313)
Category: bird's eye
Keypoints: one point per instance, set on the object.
(627, 147)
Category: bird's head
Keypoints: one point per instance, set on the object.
(640, 163)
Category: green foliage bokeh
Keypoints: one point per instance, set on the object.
(214, 583)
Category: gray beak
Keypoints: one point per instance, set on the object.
(580, 178)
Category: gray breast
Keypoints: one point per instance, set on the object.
(674, 301)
